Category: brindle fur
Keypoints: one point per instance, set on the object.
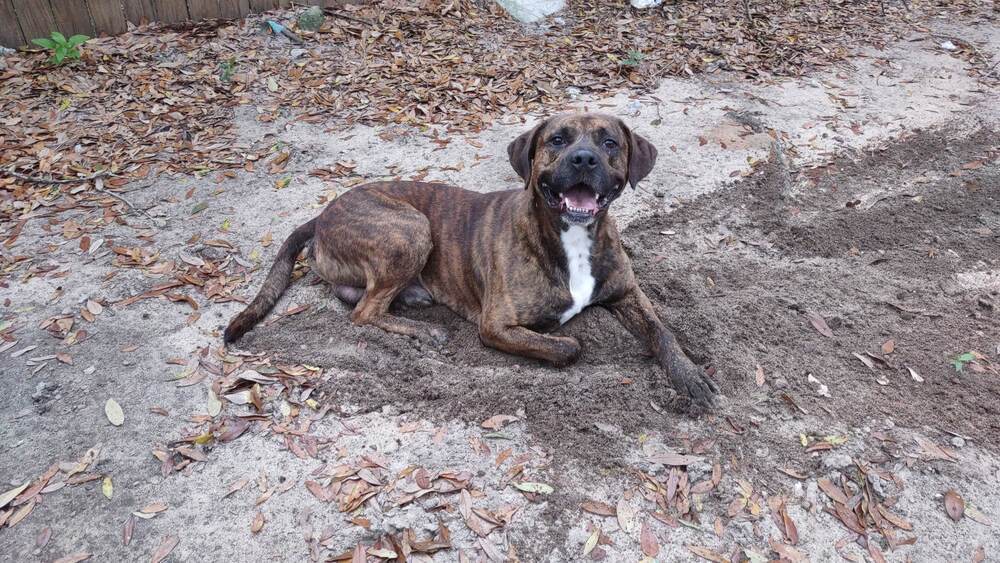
(494, 258)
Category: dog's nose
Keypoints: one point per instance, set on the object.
(583, 158)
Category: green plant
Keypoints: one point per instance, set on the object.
(960, 361)
(227, 69)
(634, 58)
(62, 49)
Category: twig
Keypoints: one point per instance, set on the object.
(43, 180)
(746, 6)
(97, 178)
(99, 186)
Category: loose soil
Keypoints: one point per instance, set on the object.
(872, 243)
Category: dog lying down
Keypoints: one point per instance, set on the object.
(517, 263)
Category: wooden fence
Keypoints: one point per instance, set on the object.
(23, 20)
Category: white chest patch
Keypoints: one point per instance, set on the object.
(576, 244)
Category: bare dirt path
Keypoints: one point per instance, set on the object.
(877, 222)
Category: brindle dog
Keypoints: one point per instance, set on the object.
(517, 263)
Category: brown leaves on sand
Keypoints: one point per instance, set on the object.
(167, 545)
(819, 323)
(954, 505)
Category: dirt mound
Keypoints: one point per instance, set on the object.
(878, 246)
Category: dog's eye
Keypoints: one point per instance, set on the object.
(610, 144)
(557, 140)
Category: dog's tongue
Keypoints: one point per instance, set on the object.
(580, 198)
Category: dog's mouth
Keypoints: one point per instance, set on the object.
(577, 203)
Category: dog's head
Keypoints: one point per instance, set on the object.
(578, 163)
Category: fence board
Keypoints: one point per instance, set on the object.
(258, 6)
(203, 9)
(108, 16)
(35, 17)
(171, 11)
(72, 17)
(10, 30)
(233, 9)
(139, 11)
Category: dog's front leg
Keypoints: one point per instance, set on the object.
(636, 313)
(520, 341)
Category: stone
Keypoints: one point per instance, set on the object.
(311, 19)
(958, 442)
(529, 11)
(643, 4)
(837, 460)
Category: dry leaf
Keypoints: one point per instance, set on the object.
(128, 529)
(496, 422)
(258, 522)
(167, 544)
(114, 412)
(107, 487)
(647, 540)
(888, 347)
(954, 505)
(759, 376)
(599, 508)
(591, 541)
(819, 323)
(626, 515)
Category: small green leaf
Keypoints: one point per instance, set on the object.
(199, 207)
(529, 487)
(963, 359)
(59, 37)
(58, 57)
(78, 40)
(107, 487)
(44, 42)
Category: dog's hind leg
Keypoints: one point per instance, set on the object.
(391, 267)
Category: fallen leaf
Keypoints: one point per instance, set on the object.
(591, 542)
(916, 376)
(258, 523)
(237, 485)
(529, 487)
(11, 494)
(759, 376)
(888, 347)
(626, 515)
(167, 544)
(706, 553)
(979, 555)
(674, 459)
(154, 507)
(214, 404)
(128, 529)
(954, 505)
(976, 515)
(865, 360)
(73, 558)
(107, 487)
(496, 422)
(832, 491)
(599, 508)
(114, 412)
(647, 540)
(819, 323)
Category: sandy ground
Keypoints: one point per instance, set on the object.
(879, 214)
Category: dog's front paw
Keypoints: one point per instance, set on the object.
(690, 380)
(566, 352)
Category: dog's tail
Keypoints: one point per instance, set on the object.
(274, 285)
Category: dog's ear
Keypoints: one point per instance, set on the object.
(521, 151)
(641, 156)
